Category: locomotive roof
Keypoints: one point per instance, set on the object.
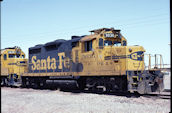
(55, 42)
(88, 38)
(37, 46)
(8, 49)
(77, 38)
(59, 41)
(97, 31)
(15, 47)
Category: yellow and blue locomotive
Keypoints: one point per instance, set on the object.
(100, 61)
(13, 64)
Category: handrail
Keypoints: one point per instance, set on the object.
(158, 61)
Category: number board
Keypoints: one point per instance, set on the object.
(109, 35)
(11, 52)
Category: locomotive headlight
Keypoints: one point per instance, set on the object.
(130, 50)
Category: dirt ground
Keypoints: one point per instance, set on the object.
(22, 100)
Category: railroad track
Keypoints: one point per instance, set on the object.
(161, 95)
(157, 95)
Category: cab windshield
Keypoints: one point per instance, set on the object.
(107, 43)
(15, 56)
(111, 43)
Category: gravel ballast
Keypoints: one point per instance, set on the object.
(22, 100)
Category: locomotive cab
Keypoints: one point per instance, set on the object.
(107, 49)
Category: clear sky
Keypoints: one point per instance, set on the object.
(26, 23)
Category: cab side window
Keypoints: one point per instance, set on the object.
(22, 56)
(88, 46)
(107, 43)
(100, 43)
(124, 43)
(5, 57)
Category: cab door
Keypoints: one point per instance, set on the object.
(88, 57)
